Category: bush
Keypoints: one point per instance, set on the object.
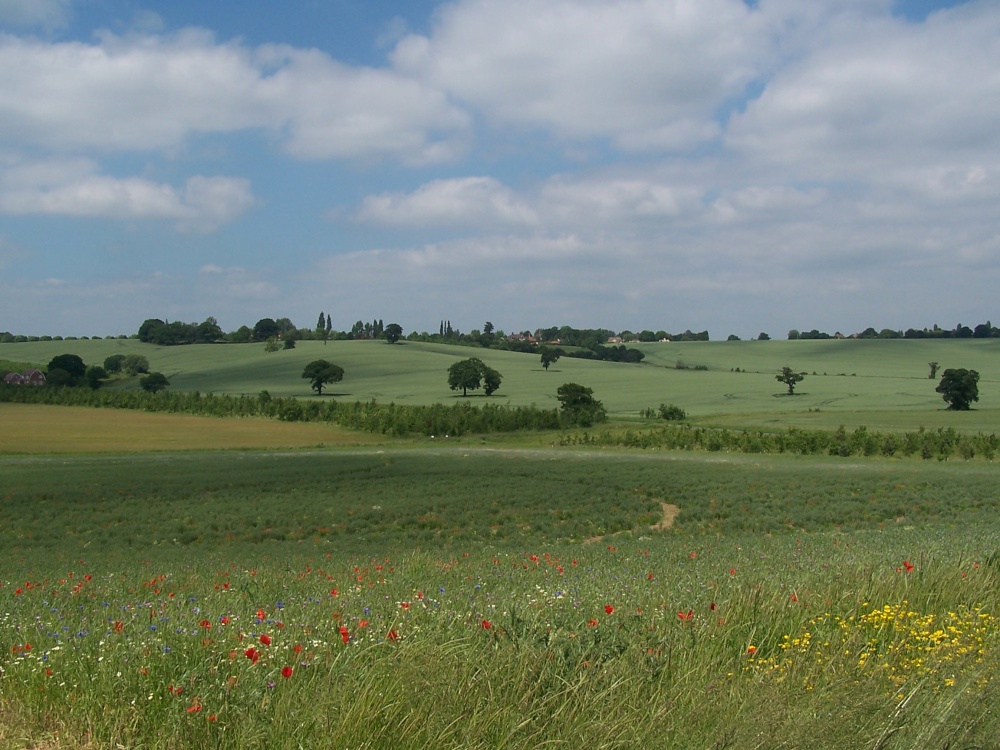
(672, 413)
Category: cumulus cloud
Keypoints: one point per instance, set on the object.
(153, 92)
(881, 93)
(75, 187)
(645, 73)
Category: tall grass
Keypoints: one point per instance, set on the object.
(623, 645)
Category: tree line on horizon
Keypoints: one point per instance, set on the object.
(599, 343)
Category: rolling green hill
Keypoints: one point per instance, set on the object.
(882, 384)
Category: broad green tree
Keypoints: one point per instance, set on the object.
(114, 363)
(491, 380)
(790, 378)
(154, 382)
(135, 364)
(266, 328)
(393, 333)
(579, 406)
(96, 376)
(959, 387)
(470, 374)
(550, 356)
(320, 373)
(71, 363)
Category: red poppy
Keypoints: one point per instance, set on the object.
(286, 672)
(298, 648)
(487, 625)
(194, 708)
(334, 592)
(686, 615)
(261, 614)
(751, 650)
(118, 626)
(392, 635)
(608, 609)
(712, 606)
(265, 639)
(224, 620)
(252, 654)
(908, 565)
(404, 605)
(591, 623)
(345, 636)
(649, 577)
(205, 624)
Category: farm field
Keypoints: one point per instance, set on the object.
(880, 384)
(29, 428)
(461, 597)
(172, 581)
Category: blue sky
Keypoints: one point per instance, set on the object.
(665, 164)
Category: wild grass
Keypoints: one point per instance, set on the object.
(792, 602)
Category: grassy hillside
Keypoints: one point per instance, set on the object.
(881, 384)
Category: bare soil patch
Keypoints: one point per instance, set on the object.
(670, 513)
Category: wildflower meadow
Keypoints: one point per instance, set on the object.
(377, 599)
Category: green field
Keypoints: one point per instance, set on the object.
(172, 581)
(460, 598)
(881, 384)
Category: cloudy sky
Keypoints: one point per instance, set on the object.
(731, 165)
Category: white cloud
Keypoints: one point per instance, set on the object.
(876, 95)
(332, 110)
(75, 187)
(153, 92)
(645, 73)
(468, 201)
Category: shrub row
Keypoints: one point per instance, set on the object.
(388, 419)
(941, 443)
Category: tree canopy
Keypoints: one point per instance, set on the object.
(959, 387)
(393, 333)
(790, 378)
(470, 374)
(579, 406)
(320, 373)
(550, 356)
(154, 382)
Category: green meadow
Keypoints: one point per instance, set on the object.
(881, 384)
(171, 581)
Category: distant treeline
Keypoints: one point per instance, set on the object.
(981, 331)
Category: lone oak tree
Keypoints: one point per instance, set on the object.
(320, 372)
(790, 378)
(154, 382)
(393, 332)
(550, 356)
(959, 387)
(470, 374)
